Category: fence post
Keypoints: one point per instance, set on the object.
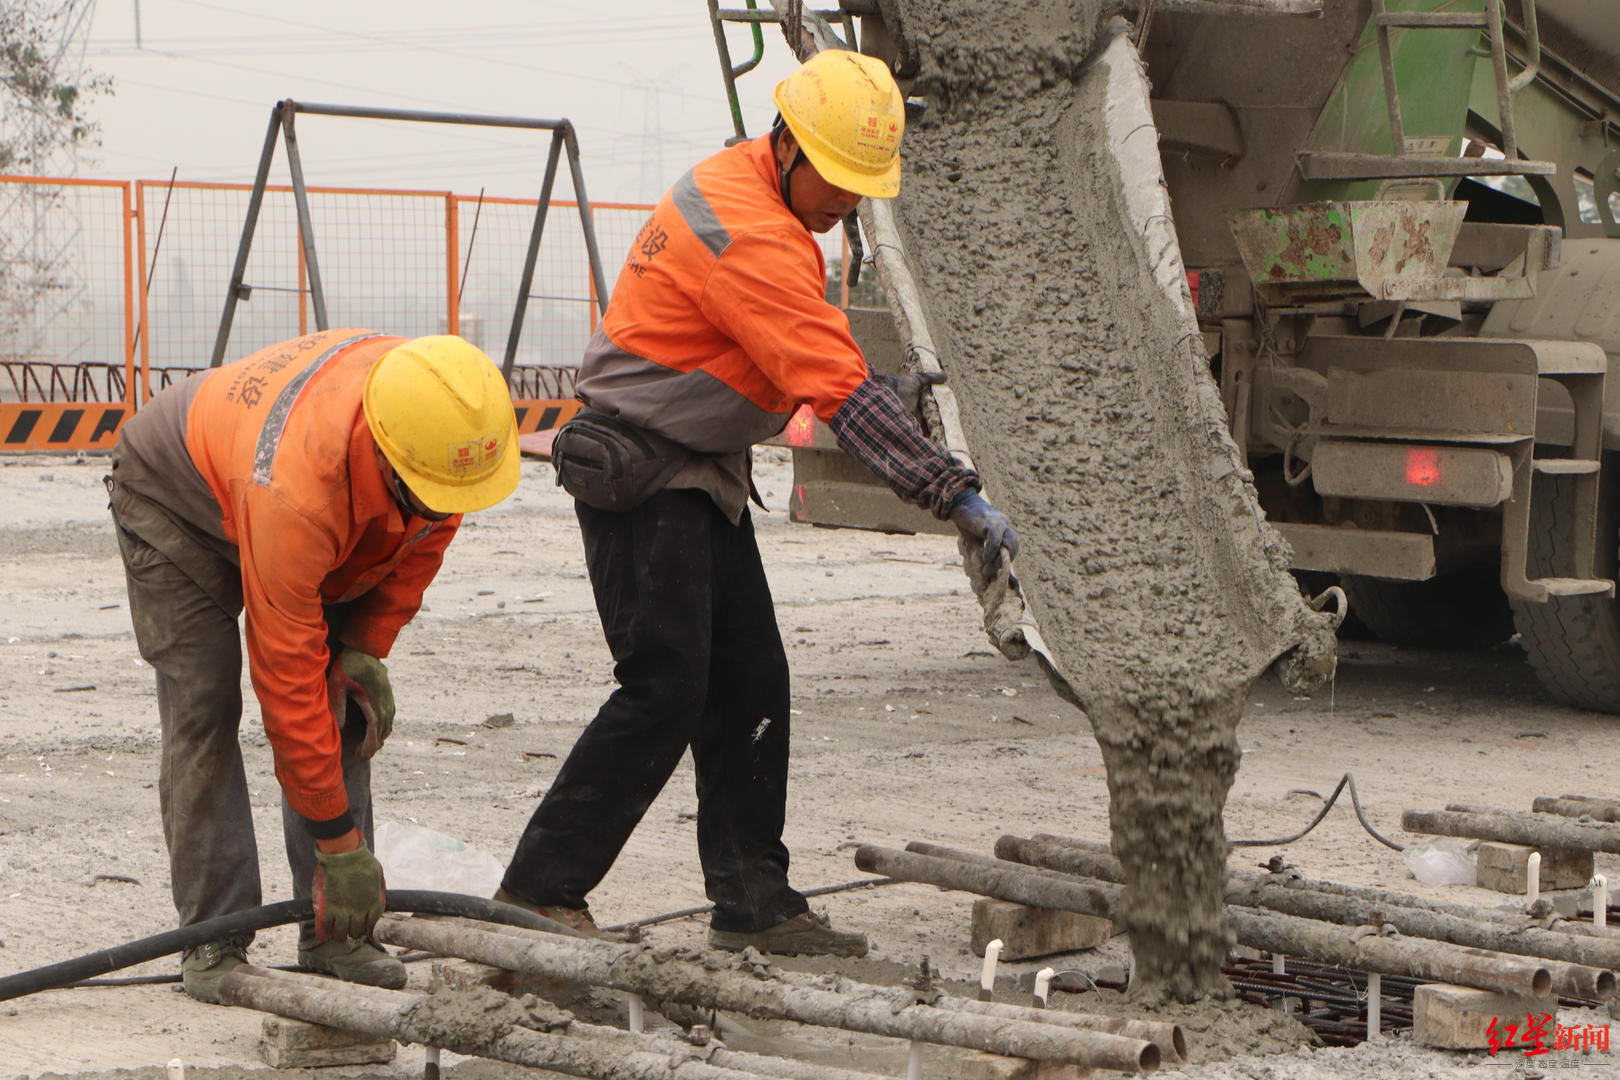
(303, 285)
(139, 396)
(590, 280)
(131, 217)
(452, 249)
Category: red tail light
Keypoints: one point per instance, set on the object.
(1422, 467)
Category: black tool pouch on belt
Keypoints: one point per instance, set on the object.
(608, 464)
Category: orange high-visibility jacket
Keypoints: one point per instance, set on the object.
(282, 442)
(719, 326)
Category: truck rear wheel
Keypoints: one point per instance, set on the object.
(1573, 642)
(1464, 609)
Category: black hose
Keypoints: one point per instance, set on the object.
(409, 957)
(422, 901)
(1346, 780)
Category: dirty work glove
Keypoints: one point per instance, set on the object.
(909, 387)
(348, 893)
(973, 514)
(362, 678)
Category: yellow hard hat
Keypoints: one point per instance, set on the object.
(847, 115)
(442, 415)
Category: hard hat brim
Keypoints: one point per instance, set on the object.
(444, 498)
(883, 185)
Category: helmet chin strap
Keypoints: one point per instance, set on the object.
(787, 178)
(784, 178)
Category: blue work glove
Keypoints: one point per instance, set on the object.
(973, 514)
(909, 387)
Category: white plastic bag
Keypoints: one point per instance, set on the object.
(1445, 860)
(415, 857)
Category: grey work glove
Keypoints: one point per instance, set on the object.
(973, 514)
(348, 893)
(909, 387)
(363, 679)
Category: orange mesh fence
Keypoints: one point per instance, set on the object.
(381, 258)
(65, 288)
(80, 324)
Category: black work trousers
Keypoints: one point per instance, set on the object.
(688, 616)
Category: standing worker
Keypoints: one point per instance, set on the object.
(315, 485)
(718, 330)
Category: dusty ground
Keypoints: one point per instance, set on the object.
(907, 728)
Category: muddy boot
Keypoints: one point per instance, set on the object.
(201, 968)
(573, 918)
(808, 934)
(355, 961)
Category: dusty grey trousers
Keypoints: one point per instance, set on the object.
(193, 644)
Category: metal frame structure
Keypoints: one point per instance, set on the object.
(282, 122)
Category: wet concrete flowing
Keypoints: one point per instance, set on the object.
(1040, 239)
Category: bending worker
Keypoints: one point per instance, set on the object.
(313, 485)
(717, 331)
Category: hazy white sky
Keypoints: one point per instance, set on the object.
(639, 79)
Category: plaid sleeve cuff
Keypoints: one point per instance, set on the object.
(873, 427)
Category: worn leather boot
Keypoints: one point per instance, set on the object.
(809, 934)
(573, 918)
(361, 962)
(202, 967)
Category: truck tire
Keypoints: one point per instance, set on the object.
(1573, 642)
(1465, 609)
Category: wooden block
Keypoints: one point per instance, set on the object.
(1458, 1017)
(466, 974)
(1028, 932)
(1504, 867)
(294, 1044)
(980, 1066)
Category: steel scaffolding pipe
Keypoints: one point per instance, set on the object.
(1583, 968)
(713, 1053)
(1356, 947)
(673, 1049)
(1090, 858)
(1002, 880)
(669, 977)
(923, 847)
(368, 1012)
(1506, 826)
(1168, 1037)
(1579, 967)
(1577, 806)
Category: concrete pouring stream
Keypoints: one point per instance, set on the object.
(1035, 221)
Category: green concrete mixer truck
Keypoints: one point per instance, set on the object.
(1399, 222)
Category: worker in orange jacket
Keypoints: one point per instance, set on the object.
(314, 486)
(718, 330)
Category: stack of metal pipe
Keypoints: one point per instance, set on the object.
(1370, 930)
(740, 984)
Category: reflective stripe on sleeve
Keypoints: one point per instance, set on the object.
(700, 216)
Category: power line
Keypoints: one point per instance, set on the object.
(480, 39)
(428, 48)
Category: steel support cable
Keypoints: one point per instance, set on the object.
(1347, 780)
(422, 901)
